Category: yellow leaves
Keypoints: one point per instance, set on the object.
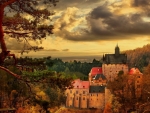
(42, 95)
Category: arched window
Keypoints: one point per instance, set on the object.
(83, 98)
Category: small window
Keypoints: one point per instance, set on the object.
(91, 94)
(77, 86)
(83, 98)
(77, 98)
(76, 92)
(83, 86)
(97, 94)
(83, 92)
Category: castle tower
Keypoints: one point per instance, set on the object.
(113, 63)
(117, 51)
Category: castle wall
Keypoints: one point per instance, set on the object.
(96, 100)
(70, 97)
(76, 101)
(98, 82)
(75, 98)
(111, 70)
(138, 85)
(84, 101)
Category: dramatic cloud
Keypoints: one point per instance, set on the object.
(63, 4)
(110, 21)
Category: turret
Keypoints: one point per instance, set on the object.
(117, 50)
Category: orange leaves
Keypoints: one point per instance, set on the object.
(108, 108)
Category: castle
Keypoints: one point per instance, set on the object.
(94, 93)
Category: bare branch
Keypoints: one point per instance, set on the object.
(8, 3)
(13, 74)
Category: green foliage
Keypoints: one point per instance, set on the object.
(75, 66)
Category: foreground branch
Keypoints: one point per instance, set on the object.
(13, 74)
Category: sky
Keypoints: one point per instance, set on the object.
(87, 29)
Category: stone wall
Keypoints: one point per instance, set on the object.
(111, 70)
(96, 100)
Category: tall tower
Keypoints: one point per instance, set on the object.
(117, 50)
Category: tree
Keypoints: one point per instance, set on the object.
(26, 29)
(21, 28)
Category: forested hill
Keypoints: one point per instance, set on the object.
(139, 57)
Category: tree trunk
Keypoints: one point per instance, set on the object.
(2, 41)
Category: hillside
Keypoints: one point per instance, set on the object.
(139, 57)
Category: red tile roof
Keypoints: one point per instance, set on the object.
(96, 70)
(134, 71)
(81, 84)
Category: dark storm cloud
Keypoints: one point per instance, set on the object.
(101, 12)
(141, 3)
(105, 25)
(144, 5)
(63, 4)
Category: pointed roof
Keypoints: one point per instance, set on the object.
(97, 76)
(96, 70)
(134, 71)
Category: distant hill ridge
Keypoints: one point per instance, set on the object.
(139, 57)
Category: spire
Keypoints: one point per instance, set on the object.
(117, 50)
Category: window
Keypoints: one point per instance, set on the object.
(97, 94)
(83, 98)
(76, 92)
(77, 98)
(83, 92)
(77, 86)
